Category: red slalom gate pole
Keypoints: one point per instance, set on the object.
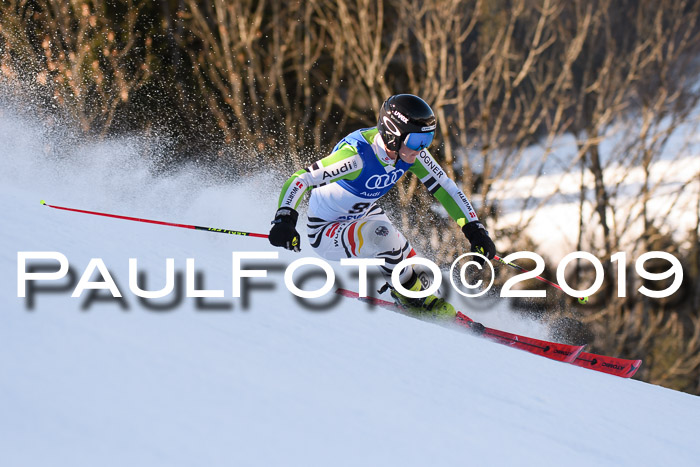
(581, 300)
(150, 221)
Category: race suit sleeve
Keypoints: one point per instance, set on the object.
(343, 164)
(443, 189)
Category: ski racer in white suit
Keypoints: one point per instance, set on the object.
(345, 222)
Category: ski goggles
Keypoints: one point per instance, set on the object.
(418, 141)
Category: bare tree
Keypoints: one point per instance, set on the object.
(272, 72)
(90, 62)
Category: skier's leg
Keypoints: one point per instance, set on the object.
(369, 237)
(374, 236)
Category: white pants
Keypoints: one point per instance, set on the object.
(372, 236)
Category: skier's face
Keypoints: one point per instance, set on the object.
(408, 155)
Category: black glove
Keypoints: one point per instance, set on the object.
(479, 238)
(283, 232)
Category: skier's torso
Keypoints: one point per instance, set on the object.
(346, 184)
(352, 198)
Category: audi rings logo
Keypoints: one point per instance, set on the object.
(377, 182)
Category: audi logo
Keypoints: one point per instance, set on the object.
(377, 182)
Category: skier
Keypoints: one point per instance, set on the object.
(343, 219)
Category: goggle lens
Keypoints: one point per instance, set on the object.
(418, 141)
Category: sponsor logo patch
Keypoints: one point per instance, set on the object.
(291, 195)
(378, 182)
(400, 116)
(335, 172)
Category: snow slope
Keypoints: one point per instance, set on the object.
(106, 382)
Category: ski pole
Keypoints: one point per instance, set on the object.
(581, 300)
(150, 221)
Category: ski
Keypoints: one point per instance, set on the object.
(575, 355)
(611, 365)
(556, 351)
(561, 352)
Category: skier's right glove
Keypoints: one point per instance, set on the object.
(479, 239)
(283, 232)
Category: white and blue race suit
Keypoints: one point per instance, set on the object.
(343, 218)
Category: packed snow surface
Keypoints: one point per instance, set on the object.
(94, 381)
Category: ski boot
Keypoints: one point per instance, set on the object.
(425, 306)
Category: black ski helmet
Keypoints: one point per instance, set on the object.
(402, 114)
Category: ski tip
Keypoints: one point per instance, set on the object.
(634, 366)
(43, 202)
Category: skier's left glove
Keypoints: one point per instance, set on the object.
(284, 232)
(479, 239)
